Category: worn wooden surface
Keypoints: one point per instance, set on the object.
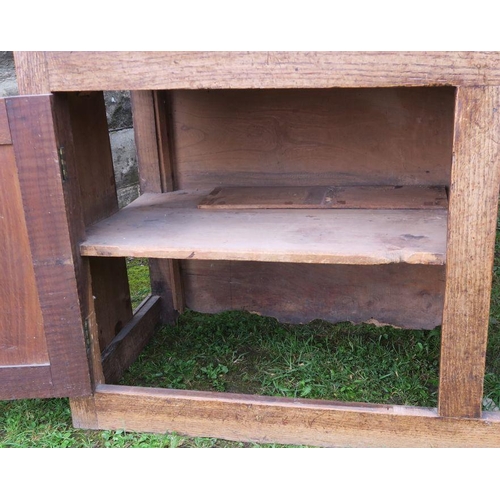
(22, 338)
(169, 225)
(193, 70)
(31, 73)
(143, 112)
(93, 167)
(470, 251)
(5, 137)
(304, 137)
(404, 295)
(27, 381)
(36, 150)
(151, 129)
(344, 197)
(130, 341)
(265, 419)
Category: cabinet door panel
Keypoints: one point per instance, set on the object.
(42, 346)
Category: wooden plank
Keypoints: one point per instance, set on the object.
(36, 150)
(344, 197)
(23, 382)
(22, 339)
(471, 239)
(96, 194)
(195, 70)
(305, 137)
(130, 341)
(5, 137)
(169, 225)
(299, 421)
(111, 292)
(143, 112)
(403, 295)
(163, 117)
(150, 113)
(94, 161)
(31, 72)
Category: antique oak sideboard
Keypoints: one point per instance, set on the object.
(344, 186)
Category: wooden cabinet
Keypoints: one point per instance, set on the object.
(342, 186)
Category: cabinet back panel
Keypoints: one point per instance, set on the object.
(404, 295)
(392, 136)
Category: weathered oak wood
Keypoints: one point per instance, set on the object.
(36, 150)
(27, 381)
(403, 295)
(128, 344)
(169, 225)
(5, 137)
(151, 113)
(344, 197)
(265, 419)
(31, 73)
(196, 70)
(475, 179)
(22, 339)
(305, 137)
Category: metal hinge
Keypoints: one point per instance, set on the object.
(62, 163)
(86, 333)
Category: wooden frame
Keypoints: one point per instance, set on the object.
(473, 199)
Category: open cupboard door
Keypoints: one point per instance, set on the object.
(42, 338)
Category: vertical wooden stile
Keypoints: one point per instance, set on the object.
(150, 113)
(471, 238)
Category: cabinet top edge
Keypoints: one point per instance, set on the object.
(87, 71)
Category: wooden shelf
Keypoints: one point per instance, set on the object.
(170, 225)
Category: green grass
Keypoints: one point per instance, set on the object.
(240, 352)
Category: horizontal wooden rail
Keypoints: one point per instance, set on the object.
(295, 421)
(77, 71)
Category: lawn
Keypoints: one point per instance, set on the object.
(240, 352)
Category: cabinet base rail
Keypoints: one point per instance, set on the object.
(265, 419)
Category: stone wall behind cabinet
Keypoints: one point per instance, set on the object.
(121, 132)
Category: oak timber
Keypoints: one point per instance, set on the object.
(22, 339)
(5, 137)
(128, 344)
(77, 71)
(475, 179)
(31, 72)
(153, 143)
(298, 421)
(305, 137)
(36, 149)
(169, 225)
(342, 197)
(403, 295)
(93, 166)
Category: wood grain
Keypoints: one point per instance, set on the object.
(471, 239)
(265, 419)
(71, 71)
(5, 137)
(304, 137)
(169, 225)
(27, 381)
(151, 129)
(93, 169)
(36, 150)
(128, 344)
(404, 295)
(31, 73)
(143, 112)
(321, 197)
(22, 338)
